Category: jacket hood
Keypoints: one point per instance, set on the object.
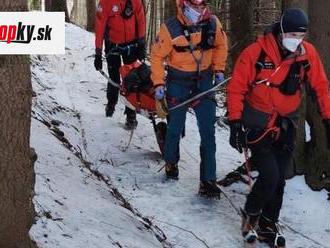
(270, 45)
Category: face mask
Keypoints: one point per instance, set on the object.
(291, 43)
(191, 14)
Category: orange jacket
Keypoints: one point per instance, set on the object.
(120, 30)
(269, 99)
(163, 51)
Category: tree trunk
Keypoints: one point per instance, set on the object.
(34, 4)
(318, 156)
(216, 6)
(170, 9)
(48, 5)
(90, 7)
(303, 4)
(241, 27)
(79, 13)
(248, 19)
(16, 167)
(57, 5)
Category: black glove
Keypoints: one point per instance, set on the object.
(98, 59)
(237, 135)
(327, 130)
(141, 53)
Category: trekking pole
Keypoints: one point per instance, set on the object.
(123, 98)
(109, 79)
(200, 95)
(247, 167)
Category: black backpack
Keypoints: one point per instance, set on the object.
(138, 80)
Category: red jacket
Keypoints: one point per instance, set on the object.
(269, 99)
(120, 30)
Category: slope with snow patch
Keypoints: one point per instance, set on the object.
(72, 93)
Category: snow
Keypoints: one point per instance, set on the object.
(74, 208)
(83, 211)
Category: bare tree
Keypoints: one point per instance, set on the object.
(16, 167)
(57, 5)
(34, 4)
(303, 4)
(90, 7)
(170, 9)
(79, 13)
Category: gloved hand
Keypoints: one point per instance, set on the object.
(159, 93)
(327, 130)
(218, 78)
(161, 104)
(237, 135)
(98, 60)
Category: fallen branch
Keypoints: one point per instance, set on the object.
(188, 231)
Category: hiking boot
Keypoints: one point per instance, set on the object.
(209, 189)
(131, 122)
(270, 233)
(109, 110)
(248, 228)
(172, 171)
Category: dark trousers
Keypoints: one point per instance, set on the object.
(179, 90)
(271, 158)
(114, 63)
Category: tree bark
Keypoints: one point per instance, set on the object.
(303, 4)
(34, 4)
(248, 19)
(241, 28)
(57, 5)
(16, 167)
(170, 9)
(90, 7)
(79, 13)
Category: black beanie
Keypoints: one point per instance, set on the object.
(294, 20)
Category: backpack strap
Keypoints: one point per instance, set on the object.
(261, 63)
(207, 29)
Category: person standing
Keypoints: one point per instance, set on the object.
(120, 24)
(263, 98)
(193, 45)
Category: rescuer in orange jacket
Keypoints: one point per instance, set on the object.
(121, 25)
(263, 98)
(194, 48)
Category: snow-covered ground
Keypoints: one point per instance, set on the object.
(78, 208)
